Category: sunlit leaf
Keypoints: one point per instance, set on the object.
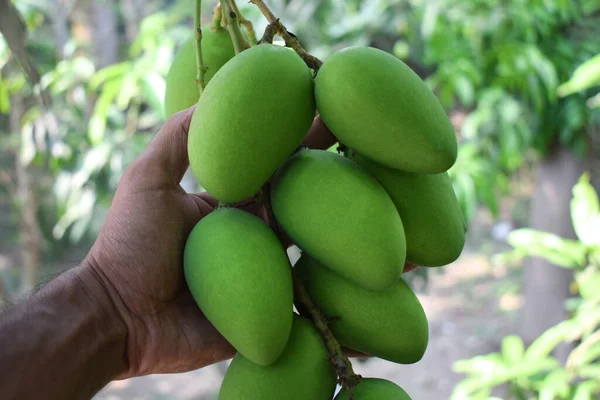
(556, 383)
(565, 253)
(129, 89)
(4, 97)
(97, 125)
(513, 349)
(585, 211)
(547, 341)
(109, 73)
(585, 76)
(153, 86)
(586, 391)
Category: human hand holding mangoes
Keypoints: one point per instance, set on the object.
(358, 218)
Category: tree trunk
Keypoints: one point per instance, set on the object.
(546, 287)
(30, 237)
(134, 11)
(60, 26)
(105, 37)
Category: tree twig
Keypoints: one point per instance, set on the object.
(200, 67)
(343, 367)
(217, 18)
(248, 27)
(231, 18)
(289, 38)
(269, 34)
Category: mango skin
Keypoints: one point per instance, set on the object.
(375, 389)
(301, 373)
(389, 324)
(376, 104)
(249, 119)
(240, 277)
(340, 215)
(181, 90)
(433, 221)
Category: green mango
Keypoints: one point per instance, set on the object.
(342, 216)
(250, 118)
(433, 221)
(376, 104)
(181, 90)
(240, 277)
(301, 373)
(375, 389)
(389, 324)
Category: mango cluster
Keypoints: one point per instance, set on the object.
(358, 218)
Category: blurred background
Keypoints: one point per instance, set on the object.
(516, 317)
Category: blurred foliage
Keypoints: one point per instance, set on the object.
(497, 66)
(533, 372)
(500, 63)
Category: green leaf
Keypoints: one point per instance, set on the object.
(153, 87)
(4, 97)
(585, 212)
(129, 89)
(586, 391)
(589, 372)
(585, 76)
(547, 341)
(109, 73)
(565, 253)
(464, 90)
(556, 384)
(97, 125)
(513, 349)
(480, 365)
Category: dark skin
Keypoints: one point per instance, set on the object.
(125, 311)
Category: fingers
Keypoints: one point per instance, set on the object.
(207, 198)
(319, 136)
(409, 267)
(165, 160)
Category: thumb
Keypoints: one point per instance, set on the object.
(165, 160)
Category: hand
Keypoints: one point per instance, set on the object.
(138, 256)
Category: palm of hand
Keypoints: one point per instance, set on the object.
(145, 231)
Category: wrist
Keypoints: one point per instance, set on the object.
(106, 312)
(66, 336)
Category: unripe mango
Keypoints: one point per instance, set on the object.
(389, 324)
(240, 278)
(249, 119)
(375, 389)
(375, 103)
(433, 221)
(342, 216)
(301, 373)
(181, 88)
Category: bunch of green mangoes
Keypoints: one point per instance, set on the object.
(358, 218)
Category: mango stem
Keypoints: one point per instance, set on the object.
(290, 39)
(200, 67)
(231, 19)
(217, 18)
(343, 367)
(248, 27)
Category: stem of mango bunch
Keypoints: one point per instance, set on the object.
(289, 38)
(200, 67)
(217, 18)
(248, 27)
(231, 18)
(341, 364)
